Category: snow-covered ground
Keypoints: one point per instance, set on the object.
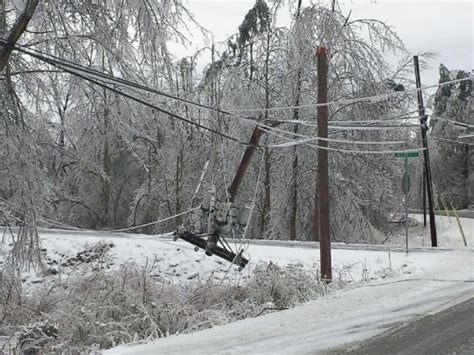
(334, 320)
(421, 282)
(177, 261)
(387, 286)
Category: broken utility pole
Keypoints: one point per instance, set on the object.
(245, 162)
(426, 154)
(221, 215)
(323, 176)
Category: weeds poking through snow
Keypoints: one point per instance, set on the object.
(101, 309)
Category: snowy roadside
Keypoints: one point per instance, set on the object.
(177, 262)
(384, 286)
(340, 318)
(402, 287)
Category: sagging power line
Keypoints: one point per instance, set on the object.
(66, 68)
(369, 99)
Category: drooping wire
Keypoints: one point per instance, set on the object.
(271, 130)
(311, 123)
(265, 127)
(456, 123)
(49, 58)
(136, 99)
(436, 138)
(370, 99)
(66, 63)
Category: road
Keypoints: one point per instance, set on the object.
(448, 332)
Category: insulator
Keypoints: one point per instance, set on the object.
(222, 212)
(244, 216)
(206, 201)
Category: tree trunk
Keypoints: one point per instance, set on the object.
(17, 30)
(179, 178)
(294, 166)
(294, 192)
(266, 211)
(3, 20)
(106, 164)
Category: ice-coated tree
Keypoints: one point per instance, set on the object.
(278, 69)
(451, 118)
(98, 160)
(75, 152)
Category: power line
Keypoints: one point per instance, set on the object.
(370, 99)
(352, 151)
(450, 140)
(306, 141)
(133, 98)
(341, 123)
(456, 123)
(67, 63)
(56, 64)
(305, 122)
(312, 139)
(154, 222)
(272, 130)
(60, 65)
(373, 128)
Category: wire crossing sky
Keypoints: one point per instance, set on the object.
(97, 79)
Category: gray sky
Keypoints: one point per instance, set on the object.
(441, 26)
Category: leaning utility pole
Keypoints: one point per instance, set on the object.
(426, 154)
(323, 175)
(245, 162)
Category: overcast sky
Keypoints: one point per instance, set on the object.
(441, 26)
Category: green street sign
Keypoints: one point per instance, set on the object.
(407, 155)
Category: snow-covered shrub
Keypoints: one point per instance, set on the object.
(11, 299)
(32, 338)
(283, 287)
(100, 309)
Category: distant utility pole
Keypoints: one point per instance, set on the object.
(323, 175)
(426, 154)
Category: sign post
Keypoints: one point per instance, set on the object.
(406, 188)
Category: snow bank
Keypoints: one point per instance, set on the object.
(346, 316)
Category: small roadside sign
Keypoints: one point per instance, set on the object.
(406, 183)
(406, 155)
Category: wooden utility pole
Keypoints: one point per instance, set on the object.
(323, 175)
(244, 163)
(426, 154)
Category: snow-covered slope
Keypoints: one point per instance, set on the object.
(339, 318)
(425, 281)
(386, 285)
